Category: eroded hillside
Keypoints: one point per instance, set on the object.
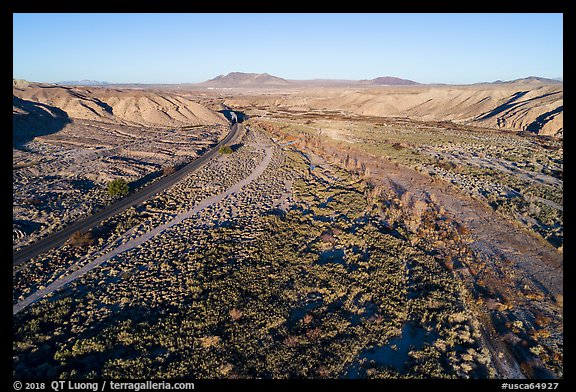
(128, 106)
(532, 107)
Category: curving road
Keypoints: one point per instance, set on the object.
(60, 237)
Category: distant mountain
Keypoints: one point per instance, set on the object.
(389, 81)
(241, 79)
(323, 82)
(530, 80)
(83, 83)
(381, 81)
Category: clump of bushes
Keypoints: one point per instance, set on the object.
(118, 188)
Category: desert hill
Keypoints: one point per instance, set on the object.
(132, 107)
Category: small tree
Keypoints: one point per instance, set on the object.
(225, 150)
(169, 170)
(118, 188)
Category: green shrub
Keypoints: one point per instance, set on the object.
(118, 188)
(225, 150)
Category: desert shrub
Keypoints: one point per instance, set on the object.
(225, 150)
(235, 314)
(548, 215)
(118, 188)
(169, 170)
(314, 334)
(447, 165)
(291, 341)
(448, 262)
(35, 201)
(328, 237)
(462, 230)
(541, 320)
(323, 371)
(80, 239)
(210, 341)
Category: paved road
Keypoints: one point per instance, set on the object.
(60, 237)
(135, 242)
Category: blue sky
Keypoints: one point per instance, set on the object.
(180, 48)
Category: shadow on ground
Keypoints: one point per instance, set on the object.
(35, 119)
